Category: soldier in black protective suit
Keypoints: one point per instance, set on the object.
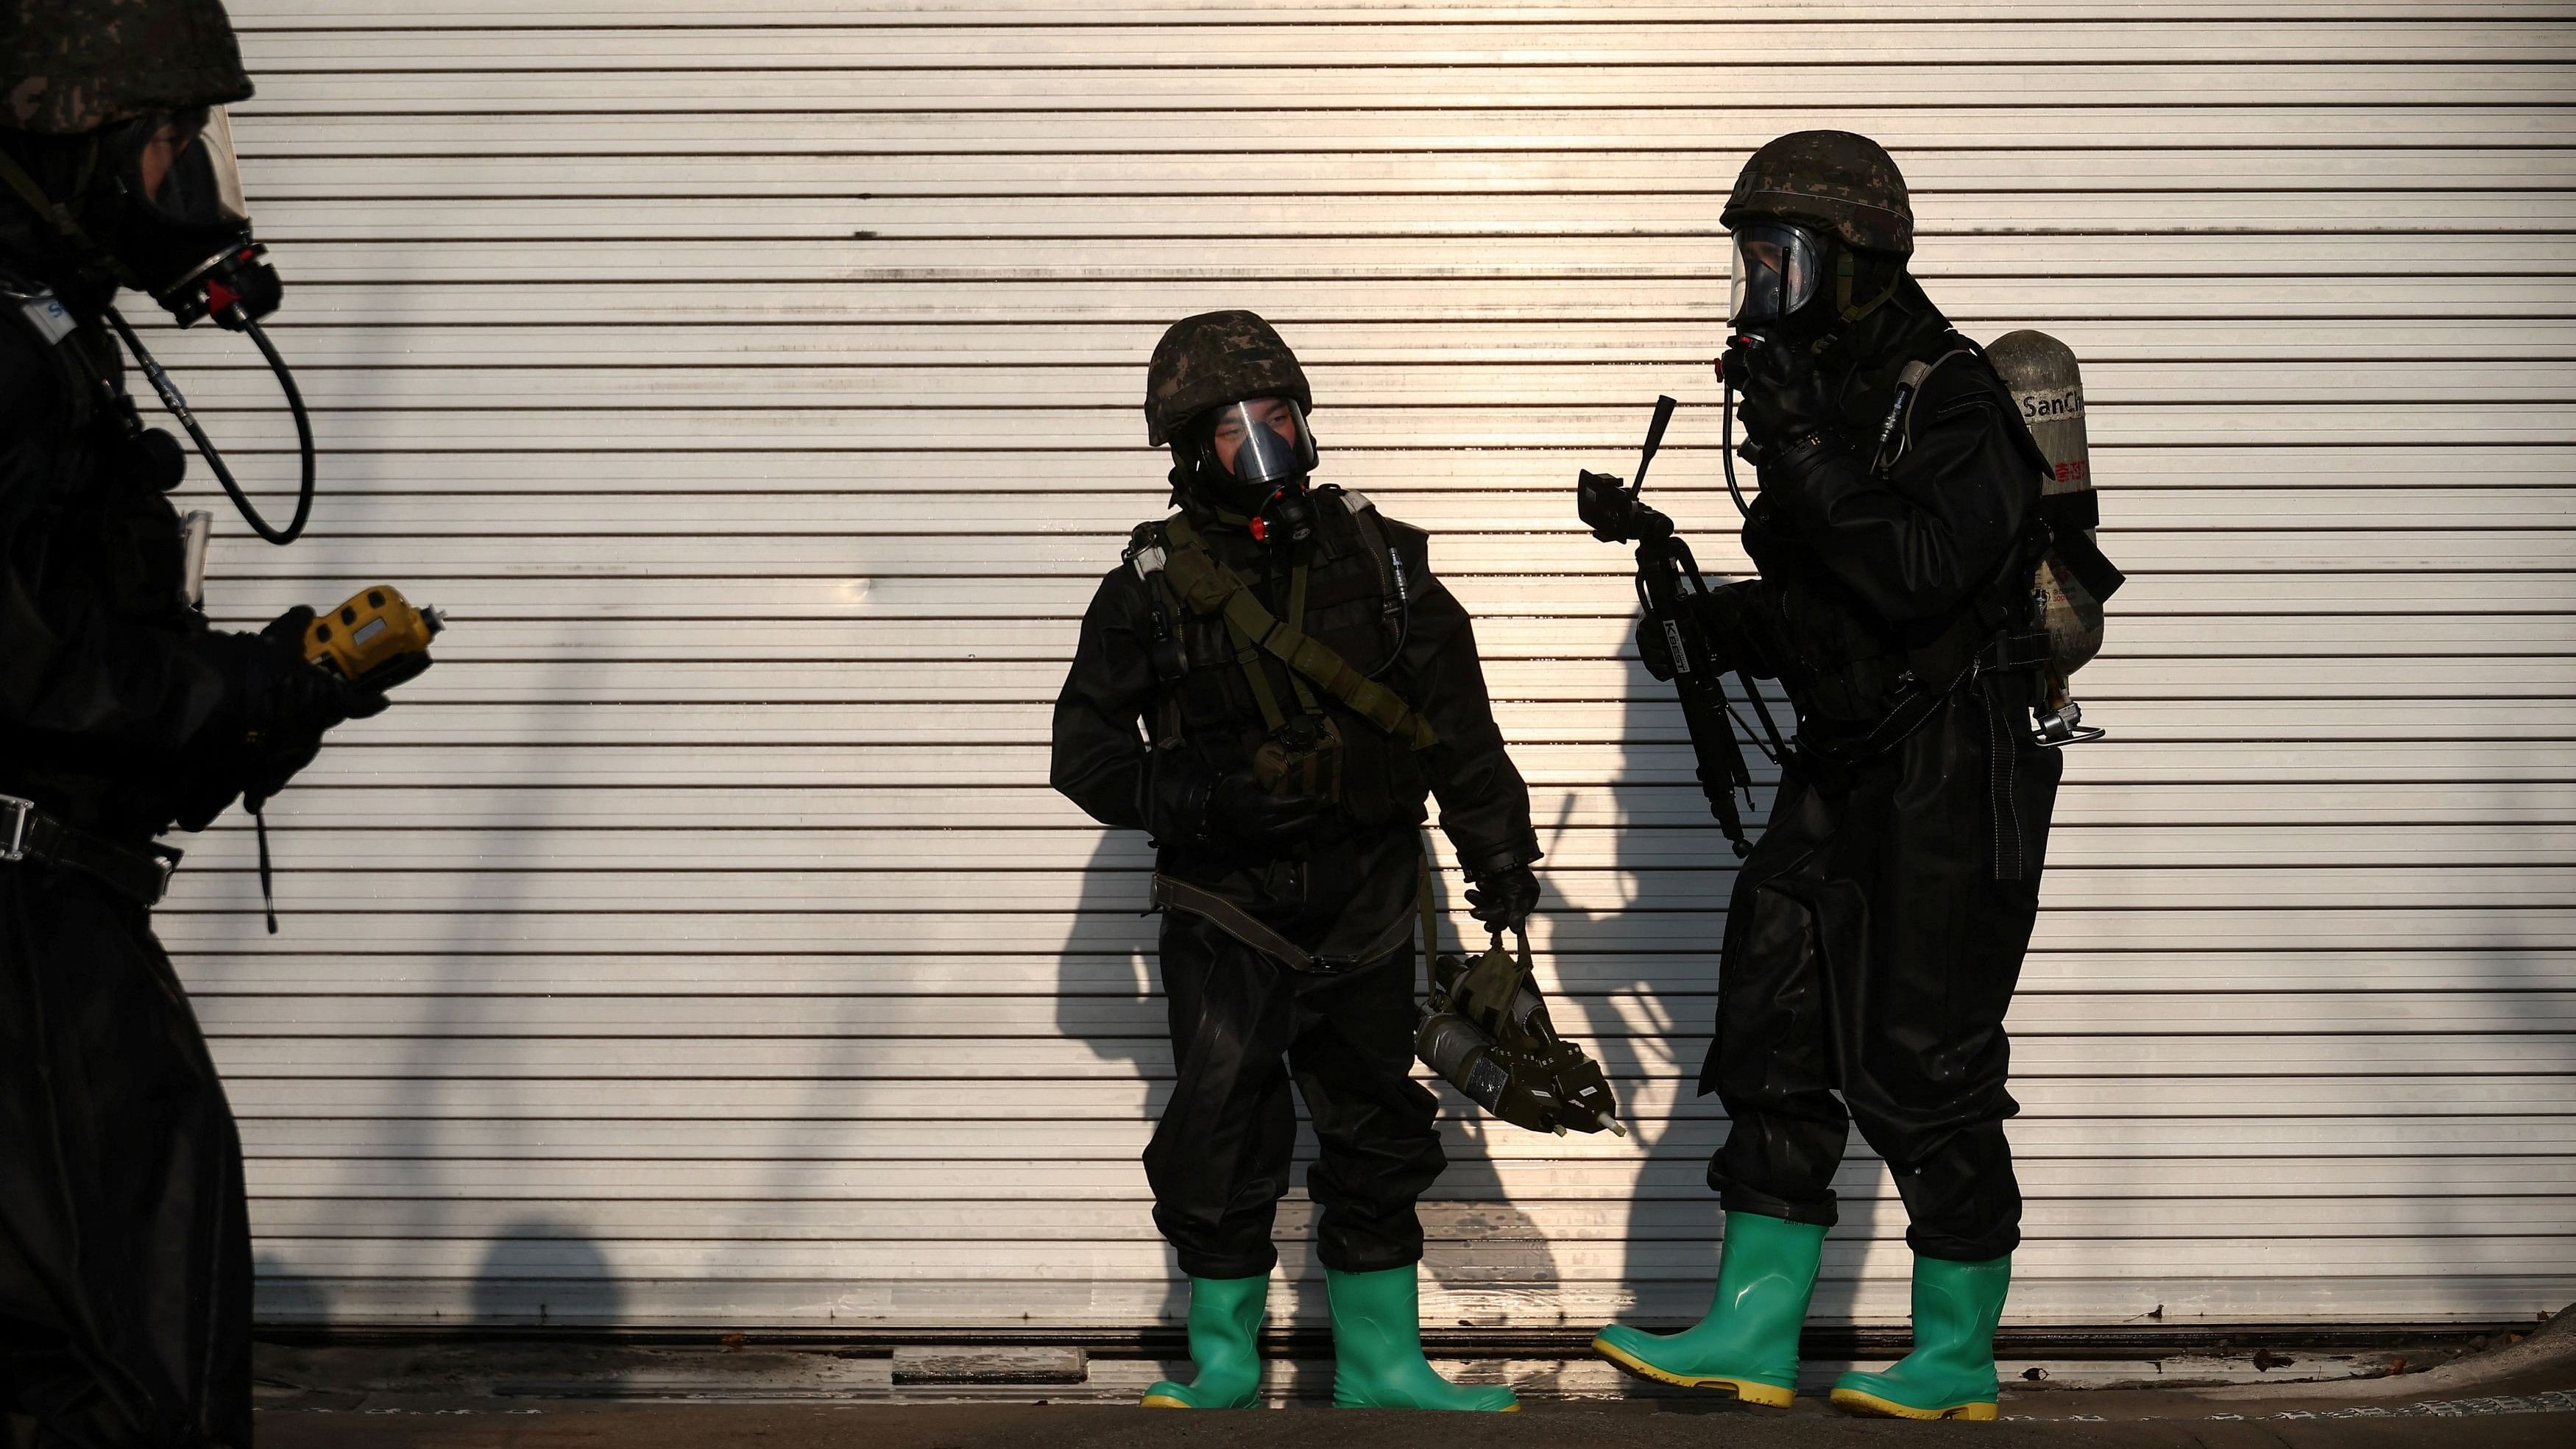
(1303, 683)
(125, 1272)
(1876, 931)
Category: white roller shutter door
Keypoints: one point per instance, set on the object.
(756, 386)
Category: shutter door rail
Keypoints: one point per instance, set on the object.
(699, 943)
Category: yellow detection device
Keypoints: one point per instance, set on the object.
(376, 640)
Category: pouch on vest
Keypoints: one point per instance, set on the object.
(1302, 757)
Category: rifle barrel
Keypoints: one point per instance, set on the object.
(1654, 439)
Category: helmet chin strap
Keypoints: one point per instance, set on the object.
(1844, 268)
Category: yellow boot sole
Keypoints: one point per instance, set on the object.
(1751, 1391)
(1872, 1406)
(1163, 1401)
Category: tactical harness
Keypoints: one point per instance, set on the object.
(1173, 551)
(1175, 563)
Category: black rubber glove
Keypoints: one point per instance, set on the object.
(1242, 812)
(1730, 619)
(1779, 392)
(292, 707)
(1740, 629)
(1503, 899)
(1653, 649)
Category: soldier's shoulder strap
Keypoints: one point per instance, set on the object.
(1207, 586)
(1386, 542)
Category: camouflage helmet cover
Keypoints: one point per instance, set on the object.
(1212, 359)
(1847, 182)
(68, 66)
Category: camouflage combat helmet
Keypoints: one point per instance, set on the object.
(1212, 359)
(1847, 182)
(69, 66)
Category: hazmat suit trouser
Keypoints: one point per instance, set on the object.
(1242, 1027)
(125, 1268)
(1871, 953)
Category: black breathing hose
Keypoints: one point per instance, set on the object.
(1403, 614)
(1726, 450)
(178, 406)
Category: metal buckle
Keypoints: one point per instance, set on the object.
(22, 811)
(2059, 728)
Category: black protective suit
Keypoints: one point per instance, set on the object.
(125, 1271)
(1876, 931)
(1219, 1159)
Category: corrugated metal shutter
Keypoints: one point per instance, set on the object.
(755, 385)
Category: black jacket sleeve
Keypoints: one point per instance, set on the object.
(1099, 760)
(68, 665)
(1926, 538)
(1484, 804)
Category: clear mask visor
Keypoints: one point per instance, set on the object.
(187, 171)
(1778, 268)
(1261, 443)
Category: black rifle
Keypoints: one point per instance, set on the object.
(1668, 586)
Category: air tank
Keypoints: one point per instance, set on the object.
(2048, 388)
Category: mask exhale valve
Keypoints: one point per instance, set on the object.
(236, 318)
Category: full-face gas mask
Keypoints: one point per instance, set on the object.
(1251, 459)
(172, 217)
(156, 204)
(1799, 287)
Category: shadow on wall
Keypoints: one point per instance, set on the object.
(1646, 975)
(541, 1270)
(282, 1295)
(1109, 999)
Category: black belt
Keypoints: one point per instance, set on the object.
(29, 834)
(1918, 696)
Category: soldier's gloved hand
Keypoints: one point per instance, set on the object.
(1738, 632)
(304, 696)
(1653, 649)
(1503, 899)
(1243, 812)
(292, 702)
(1780, 392)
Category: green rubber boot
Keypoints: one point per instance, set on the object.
(1748, 1343)
(1225, 1324)
(1951, 1372)
(1377, 1348)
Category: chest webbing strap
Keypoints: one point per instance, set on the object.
(1209, 587)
